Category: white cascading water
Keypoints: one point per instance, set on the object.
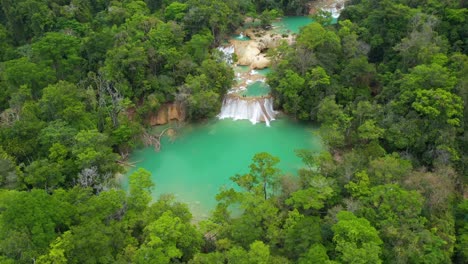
(253, 109)
(227, 51)
(335, 12)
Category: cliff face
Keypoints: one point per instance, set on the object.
(166, 113)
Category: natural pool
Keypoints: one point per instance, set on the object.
(204, 156)
(256, 89)
(241, 37)
(291, 24)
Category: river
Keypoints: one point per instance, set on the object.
(202, 157)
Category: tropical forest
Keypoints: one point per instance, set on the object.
(233, 132)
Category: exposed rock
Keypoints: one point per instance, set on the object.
(167, 113)
(333, 6)
(248, 20)
(250, 33)
(260, 62)
(246, 51)
(270, 41)
(174, 112)
(160, 118)
(249, 53)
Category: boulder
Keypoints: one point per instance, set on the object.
(260, 62)
(246, 51)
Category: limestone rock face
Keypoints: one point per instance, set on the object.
(174, 112)
(246, 51)
(260, 62)
(167, 113)
(249, 53)
(160, 118)
(249, 33)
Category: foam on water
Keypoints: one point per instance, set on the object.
(227, 52)
(253, 109)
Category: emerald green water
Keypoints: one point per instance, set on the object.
(240, 37)
(264, 71)
(256, 89)
(203, 157)
(241, 69)
(291, 24)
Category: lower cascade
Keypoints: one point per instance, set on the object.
(255, 109)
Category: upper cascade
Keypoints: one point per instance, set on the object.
(333, 6)
(249, 99)
(334, 10)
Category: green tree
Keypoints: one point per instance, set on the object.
(60, 52)
(28, 223)
(26, 19)
(426, 100)
(356, 240)
(290, 88)
(140, 189)
(92, 150)
(300, 233)
(316, 254)
(316, 192)
(462, 230)
(175, 11)
(360, 186)
(44, 174)
(257, 220)
(397, 214)
(324, 43)
(263, 175)
(22, 71)
(389, 169)
(422, 43)
(319, 88)
(335, 122)
(167, 239)
(199, 44)
(65, 101)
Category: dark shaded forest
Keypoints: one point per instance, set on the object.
(388, 85)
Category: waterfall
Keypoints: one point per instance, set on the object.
(238, 106)
(227, 52)
(334, 8)
(253, 109)
(335, 12)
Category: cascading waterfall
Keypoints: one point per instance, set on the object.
(250, 108)
(335, 11)
(227, 52)
(237, 106)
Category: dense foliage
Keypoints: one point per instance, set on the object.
(79, 81)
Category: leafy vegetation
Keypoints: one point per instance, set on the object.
(79, 81)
